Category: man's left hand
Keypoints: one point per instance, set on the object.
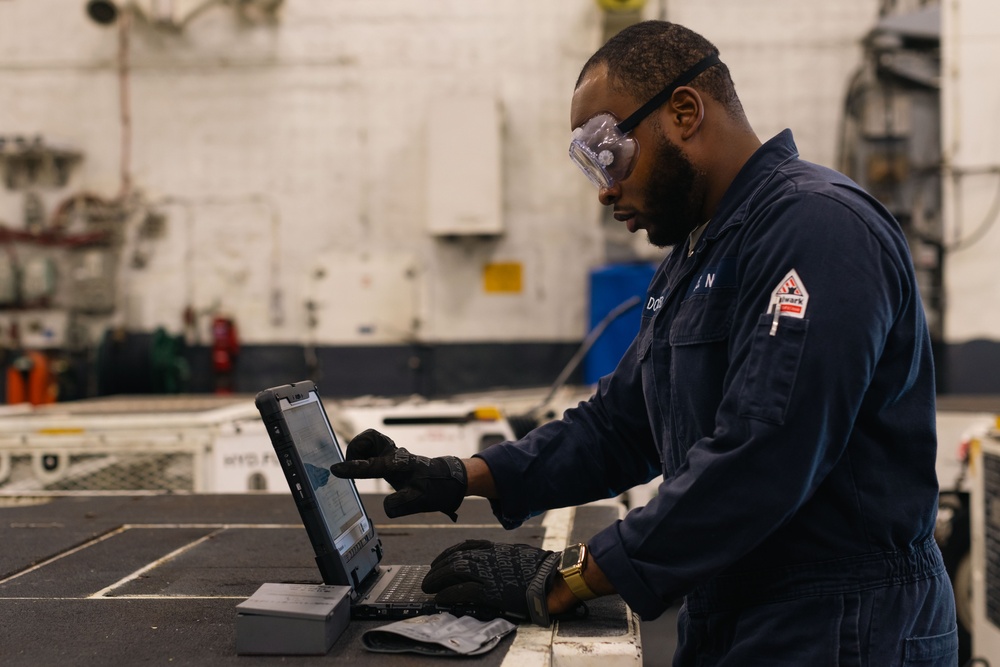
(512, 578)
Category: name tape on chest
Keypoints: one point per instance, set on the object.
(716, 276)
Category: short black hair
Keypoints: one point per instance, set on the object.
(644, 57)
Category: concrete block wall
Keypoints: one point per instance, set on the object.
(267, 146)
(290, 157)
(971, 138)
(971, 146)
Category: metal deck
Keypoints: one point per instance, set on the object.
(130, 579)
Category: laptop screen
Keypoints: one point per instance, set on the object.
(338, 500)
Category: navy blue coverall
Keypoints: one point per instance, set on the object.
(797, 447)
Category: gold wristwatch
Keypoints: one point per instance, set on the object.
(571, 567)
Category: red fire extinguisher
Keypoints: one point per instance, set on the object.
(30, 380)
(225, 349)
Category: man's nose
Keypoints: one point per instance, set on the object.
(609, 195)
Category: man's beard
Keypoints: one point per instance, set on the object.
(673, 195)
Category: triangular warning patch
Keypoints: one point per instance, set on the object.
(790, 296)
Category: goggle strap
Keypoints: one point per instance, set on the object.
(686, 77)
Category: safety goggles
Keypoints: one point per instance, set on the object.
(602, 147)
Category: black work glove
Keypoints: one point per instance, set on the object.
(422, 484)
(513, 578)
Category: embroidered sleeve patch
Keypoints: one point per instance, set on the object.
(789, 298)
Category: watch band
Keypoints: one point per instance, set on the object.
(572, 574)
(578, 585)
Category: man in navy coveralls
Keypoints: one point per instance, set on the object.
(781, 383)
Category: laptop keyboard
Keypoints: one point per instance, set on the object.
(405, 586)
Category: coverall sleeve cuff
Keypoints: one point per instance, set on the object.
(511, 509)
(607, 549)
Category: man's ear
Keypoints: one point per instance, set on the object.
(687, 111)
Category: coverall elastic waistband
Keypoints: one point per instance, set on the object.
(843, 575)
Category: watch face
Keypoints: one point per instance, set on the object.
(571, 556)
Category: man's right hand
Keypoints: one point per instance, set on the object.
(422, 484)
